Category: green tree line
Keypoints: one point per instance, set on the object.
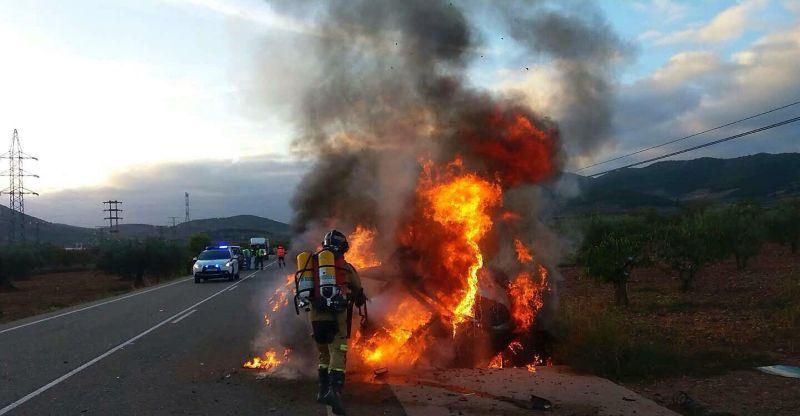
(613, 246)
(127, 258)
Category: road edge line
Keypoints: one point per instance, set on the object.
(91, 362)
(128, 296)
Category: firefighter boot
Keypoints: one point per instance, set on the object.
(333, 396)
(323, 384)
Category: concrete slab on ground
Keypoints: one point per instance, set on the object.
(493, 391)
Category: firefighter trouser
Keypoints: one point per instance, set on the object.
(332, 342)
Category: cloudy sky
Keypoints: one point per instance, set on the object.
(141, 100)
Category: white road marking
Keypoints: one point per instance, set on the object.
(89, 363)
(234, 287)
(181, 318)
(330, 412)
(94, 306)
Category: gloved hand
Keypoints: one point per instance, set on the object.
(360, 298)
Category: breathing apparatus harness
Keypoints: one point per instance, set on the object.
(321, 282)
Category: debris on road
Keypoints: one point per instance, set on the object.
(380, 372)
(781, 370)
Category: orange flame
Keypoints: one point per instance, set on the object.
(523, 254)
(497, 361)
(464, 205)
(392, 343)
(361, 254)
(280, 298)
(526, 296)
(270, 361)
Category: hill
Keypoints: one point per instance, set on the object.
(236, 228)
(762, 177)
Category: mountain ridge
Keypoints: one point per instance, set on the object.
(763, 177)
(233, 228)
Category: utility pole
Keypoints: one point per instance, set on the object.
(186, 198)
(174, 224)
(16, 190)
(113, 215)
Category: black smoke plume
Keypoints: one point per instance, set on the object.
(392, 88)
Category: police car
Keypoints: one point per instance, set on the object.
(216, 263)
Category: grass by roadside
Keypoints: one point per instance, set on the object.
(733, 321)
(47, 292)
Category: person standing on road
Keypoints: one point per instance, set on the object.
(246, 253)
(328, 287)
(262, 255)
(260, 258)
(281, 253)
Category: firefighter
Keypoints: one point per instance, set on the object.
(281, 253)
(328, 287)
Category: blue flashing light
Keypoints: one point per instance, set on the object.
(223, 246)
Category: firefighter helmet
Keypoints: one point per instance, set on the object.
(335, 241)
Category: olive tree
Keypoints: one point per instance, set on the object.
(688, 243)
(133, 259)
(740, 231)
(611, 248)
(783, 224)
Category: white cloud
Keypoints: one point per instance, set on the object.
(725, 26)
(695, 91)
(151, 193)
(256, 12)
(650, 35)
(792, 6)
(667, 10)
(685, 66)
(87, 118)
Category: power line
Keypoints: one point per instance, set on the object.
(736, 136)
(689, 136)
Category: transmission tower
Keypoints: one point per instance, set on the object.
(186, 198)
(113, 215)
(16, 190)
(174, 221)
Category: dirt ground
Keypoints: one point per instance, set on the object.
(751, 313)
(50, 291)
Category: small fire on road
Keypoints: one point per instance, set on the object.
(271, 360)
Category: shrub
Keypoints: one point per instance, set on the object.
(16, 262)
(601, 343)
(198, 242)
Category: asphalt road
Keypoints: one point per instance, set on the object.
(175, 349)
